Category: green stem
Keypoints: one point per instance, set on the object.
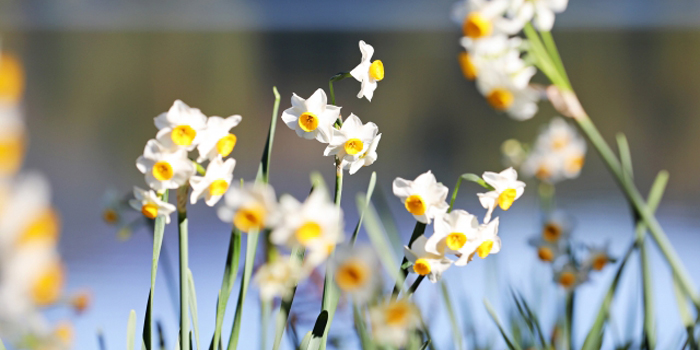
(251, 248)
(337, 77)
(570, 296)
(554, 54)
(418, 230)
(184, 294)
(158, 230)
(414, 286)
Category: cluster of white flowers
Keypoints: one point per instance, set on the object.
(493, 56)
(457, 233)
(32, 273)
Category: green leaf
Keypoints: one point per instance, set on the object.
(625, 155)
(131, 330)
(264, 169)
(426, 344)
(531, 316)
(158, 230)
(312, 339)
(511, 345)
(230, 272)
(418, 230)
(382, 206)
(456, 330)
(365, 338)
(193, 306)
(251, 248)
(469, 177)
(380, 242)
(370, 190)
(286, 305)
(2, 345)
(184, 257)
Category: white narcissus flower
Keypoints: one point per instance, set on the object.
(598, 258)
(488, 241)
(278, 278)
(558, 154)
(252, 207)
(13, 139)
(215, 181)
(495, 52)
(312, 118)
(356, 272)
(164, 168)
(180, 127)
(483, 18)
(541, 11)
(393, 322)
(216, 139)
(148, 203)
(424, 262)
(368, 157)
(423, 197)
(507, 89)
(35, 276)
(351, 143)
(368, 73)
(452, 233)
(507, 189)
(569, 276)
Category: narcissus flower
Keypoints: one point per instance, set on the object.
(312, 118)
(367, 157)
(252, 207)
(559, 153)
(541, 11)
(452, 233)
(483, 18)
(214, 183)
(508, 90)
(216, 139)
(368, 72)
(546, 251)
(393, 321)
(356, 272)
(598, 258)
(352, 142)
(424, 262)
(423, 197)
(497, 52)
(569, 276)
(11, 78)
(278, 278)
(507, 189)
(488, 241)
(12, 138)
(164, 168)
(150, 205)
(180, 127)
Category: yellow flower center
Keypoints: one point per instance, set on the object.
(352, 275)
(308, 232)
(226, 144)
(574, 164)
(183, 135)
(421, 267)
(500, 99)
(600, 261)
(110, 216)
(218, 187)
(353, 146)
(376, 70)
(11, 78)
(47, 287)
(308, 121)
(485, 249)
(44, 228)
(477, 26)
(567, 279)
(81, 301)
(162, 171)
(506, 198)
(415, 205)
(545, 254)
(149, 210)
(249, 218)
(456, 240)
(467, 65)
(64, 333)
(543, 173)
(11, 153)
(560, 142)
(398, 313)
(551, 232)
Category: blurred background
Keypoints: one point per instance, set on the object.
(98, 72)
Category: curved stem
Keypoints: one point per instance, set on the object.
(184, 293)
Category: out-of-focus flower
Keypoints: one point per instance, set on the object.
(423, 197)
(368, 73)
(63, 334)
(278, 278)
(559, 153)
(393, 321)
(252, 207)
(452, 232)
(356, 272)
(424, 262)
(483, 18)
(569, 276)
(514, 153)
(557, 227)
(495, 52)
(12, 138)
(598, 258)
(180, 127)
(216, 139)
(11, 79)
(312, 118)
(351, 143)
(164, 169)
(507, 189)
(150, 205)
(541, 11)
(81, 301)
(546, 251)
(214, 183)
(508, 90)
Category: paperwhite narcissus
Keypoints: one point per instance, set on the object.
(367, 158)
(150, 205)
(33, 278)
(487, 242)
(368, 73)
(214, 183)
(424, 262)
(164, 168)
(216, 139)
(569, 276)
(355, 271)
(252, 207)
(180, 127)
(452, 233)
(497, 52)
(509, 90)
(483, 18)
(507, 189)
(393, 321)
(351, 142)
(540, 11)
(598, 258)
(12, 139)
(278, 278)
(559, 153)
(423, 197)
(311, 118)
(546, 251)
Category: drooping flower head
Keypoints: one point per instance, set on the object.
(216, 139)
(312, 118)
(214, 183)
(356, 272)
(393, 321)
(368, 72)
(252, 207)
(150, 205)
(180, 127)
(164, 168)
(506, 187)
(423, 197)
(453, 232)
(352, 143)
(424, 262)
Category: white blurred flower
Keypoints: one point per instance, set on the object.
(546, 251)
(164, 168)
(424, 262)
(215, 181)
(356, 272)
(216, 139)
(252, 207)
(368, 73)
(559, 153)
(495, 52)
(393, 321)
(13, 139)
(507, 89)
(278, 278)
(483, 18)
(507, 189)
(351, 143)
(34, 277)
(150, 205)
(423, 197)
(598, 258)
(569, 276)
(180, 127)
(311, 118)
(540, 11)
(452, 232)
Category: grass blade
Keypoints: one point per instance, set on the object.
(131, 330)
(386, 218)
(625, 155)
(184, 247)
(456, 333)
(511, 345)
(380, 242)
(312, 339)
(360, 327)
(686, 317)
(264, 169)
(418, 230)
(231, 270)
(251, 248)
(370, 190)
(534, 319)
(193, 306)
(158, 230)
(426, 344)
